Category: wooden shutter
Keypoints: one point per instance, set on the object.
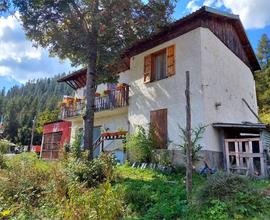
(158, 121)
(171, 60)
(147, 68)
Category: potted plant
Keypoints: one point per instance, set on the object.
(97, 94)
(107, 91)
(121, 131)
(120, 86)
(103, 94)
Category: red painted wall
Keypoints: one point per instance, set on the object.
(54, 127)
(63, 126)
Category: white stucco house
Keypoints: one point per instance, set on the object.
(214, 47)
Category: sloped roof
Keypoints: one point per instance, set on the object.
(227, 27)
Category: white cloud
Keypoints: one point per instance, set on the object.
(253, 13)
(19, 59)
(4, 70)
(193, 5)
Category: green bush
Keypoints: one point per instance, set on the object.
(103, 202)
(161, 157)
(223, 186)
(26, 179)
(229, 196)
(3, 164)
(196, 136)
(140, 145)
(91, 173)
(76, 145)
(4, 146)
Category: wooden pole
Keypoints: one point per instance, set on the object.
(189, 141)
(32, 134)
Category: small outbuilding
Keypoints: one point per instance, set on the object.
(55, 135)
(245, 148)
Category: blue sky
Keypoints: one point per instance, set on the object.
(20, 61)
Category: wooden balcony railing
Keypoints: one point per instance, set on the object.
(117, 98)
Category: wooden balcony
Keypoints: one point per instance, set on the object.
(114, 99)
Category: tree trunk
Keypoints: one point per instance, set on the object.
(189, 142)
(90, 108)
(91, 85)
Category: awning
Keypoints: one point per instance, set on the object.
(240, 125)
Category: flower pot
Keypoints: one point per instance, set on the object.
(97, 94)
(106, 92)
(120, 86)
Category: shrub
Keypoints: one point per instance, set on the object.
(104, 202)
(91, 173)
(26, 179)
(196, 136)
(3, 164)
(217, 211)
(4, 146)
(161, 157)
(228, 196)
(76, 145)
(140, 145)
(223, 186)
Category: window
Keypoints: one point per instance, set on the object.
(159, 65)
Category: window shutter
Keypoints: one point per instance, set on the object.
(147, 68)
(171, 60)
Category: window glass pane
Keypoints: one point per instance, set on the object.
(160, 66)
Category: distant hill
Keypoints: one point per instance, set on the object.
(7, 82)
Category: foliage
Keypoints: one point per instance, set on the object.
(35, 189)
(104, 202)
(140, 145)
(20, 105)
(161, 157)
(228, 196)
(152, 195)
(90, 173)
(263, 79)
(3, 164)
(90, 29)
(223, 186)
(4, 146)
(217, 211)
(76, 145)
(264, 51)
(196, 136)
(25, 181)
(45, 117)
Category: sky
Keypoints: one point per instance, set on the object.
(20, 61)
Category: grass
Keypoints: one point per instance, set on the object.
(152, 195)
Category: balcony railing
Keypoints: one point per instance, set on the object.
(117, 98)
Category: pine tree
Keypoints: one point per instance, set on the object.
(264, 51)
(263, 79)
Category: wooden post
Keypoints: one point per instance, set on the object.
(189, 142)
(32, 134)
